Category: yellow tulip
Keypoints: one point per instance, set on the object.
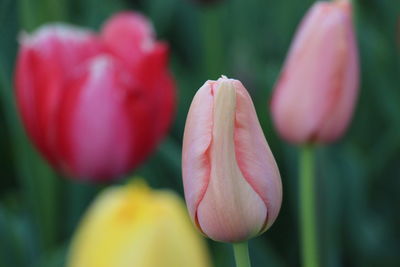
(136, 226)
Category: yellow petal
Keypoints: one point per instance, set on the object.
(135, 226)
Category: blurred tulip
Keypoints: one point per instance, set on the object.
(232, 183)
(95, 105)
(315, 95)
(133, 225)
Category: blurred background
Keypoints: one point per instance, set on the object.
(358, 177)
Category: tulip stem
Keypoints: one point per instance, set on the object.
(307, 209)
(241, 251)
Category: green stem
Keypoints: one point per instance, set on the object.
(241, 251)
(307, 209)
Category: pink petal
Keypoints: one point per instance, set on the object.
(310, 86)
(341, 113)
(95, 134)
(231, 210)
(232, 184)
(128, 35)
(254, 156)
(195, 152)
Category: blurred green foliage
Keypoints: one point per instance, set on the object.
(358, 177)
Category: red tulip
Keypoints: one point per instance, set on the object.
(95, 105)
(232, 184)
(316, 93)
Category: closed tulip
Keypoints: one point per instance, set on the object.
(232, 183)
(95, 105)
(316, 92)
(133, 225)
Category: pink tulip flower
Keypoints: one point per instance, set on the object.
(232, 183)
(317, 90)
(95, 105)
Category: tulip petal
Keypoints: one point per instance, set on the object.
(232, 183)
(159, 91)
(254, 156)
(310, 85)
(126, 32)
(133, 225)
(230, 210)
(196, 142)
(95, 106)
(340, 114)
(94, 101)
(43, 64)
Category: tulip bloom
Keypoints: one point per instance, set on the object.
(133, 225)
(232, 183)
(95, 105)
(316, 93)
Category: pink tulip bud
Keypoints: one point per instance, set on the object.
(95, 105)
(316, 93)
(232, 183)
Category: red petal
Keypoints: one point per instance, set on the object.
(45, 59)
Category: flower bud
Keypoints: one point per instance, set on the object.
(316, 92)
(232, 183)
(95, 105)
(133, 225)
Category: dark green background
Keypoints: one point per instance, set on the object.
(358, 177)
